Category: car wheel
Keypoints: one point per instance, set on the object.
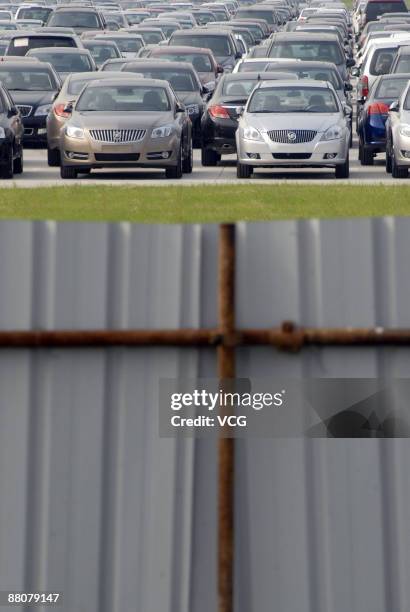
(68, 172)
(398, 171)
(18, 163)
(342, 170)
(188, 162)
(365, 155)
(243, 171)
(209, 157)
(6, 171)
(351, 136)
(175, 172)
(53, 157)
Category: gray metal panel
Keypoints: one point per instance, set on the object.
(97, 505)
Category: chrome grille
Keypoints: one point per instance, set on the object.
(118, 136)
(292, 136)
(25, 110)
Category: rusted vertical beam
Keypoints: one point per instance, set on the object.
(226, 370)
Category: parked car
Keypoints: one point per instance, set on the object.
(11, 136)
(222, 44)
(202, 60)
(398, 136)
(59, 114)
(65, 60)
(33, 86)
(102, 50)
(290, 125)
(134, 123)
(220, 119)
(373, 114)
(185, 83)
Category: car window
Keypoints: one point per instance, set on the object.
(180, 80)
(34, 13)
(113, 66)
(403, 65)
(65, 63)
(293, 100)
(324, 51)
(266, 15)
(27, 80)
(200, 62)
(152, 38)
(219, 45)
(20, 45)
(74, 19)
(101, 52)
(382, 61)
(406, 104)
(122, 98)
(390, 88)
(374, 9)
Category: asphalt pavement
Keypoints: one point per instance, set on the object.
(38, 174)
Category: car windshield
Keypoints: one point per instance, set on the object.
(199, 61)
(113, 66)
(180, 80)
(74, 19)
(266, 15)
(374, 9)
(128, 45)
(75, 85)
(323, 51)
(101, 52)
(151, 38)
(61, 62)
(252, 66)
(34, 13)
(219, 45)
(390, 89)
(293, 100)
(123, 98)
(27, 80)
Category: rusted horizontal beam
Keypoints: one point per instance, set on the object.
(288, 337)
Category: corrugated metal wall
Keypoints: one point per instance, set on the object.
(93, 503)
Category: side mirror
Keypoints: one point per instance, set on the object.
(179, 108)
(239, 110)
(348, 87)
(361, 100)
(355, 72)
(219, 69)
(238, 55)
(347, 111)
(13, 111)
(350, 63)
(394, 107)
(68, 108)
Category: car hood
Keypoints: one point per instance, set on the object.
(265, 122)
(34, 98)
(118, 120)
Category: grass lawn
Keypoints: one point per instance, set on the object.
(203, 204)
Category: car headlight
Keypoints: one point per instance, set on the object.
(73, 131)
(44, 109)
(333, 133)
(405, 130)
(192, 109)
(162, 132)
(2, 133)
(251, 133)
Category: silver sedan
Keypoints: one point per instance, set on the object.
(293, 124)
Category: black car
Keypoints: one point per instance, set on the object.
(183, 79)
(220, 119)
(11, 134)
(33, 86)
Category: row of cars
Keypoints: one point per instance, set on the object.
(269, 81)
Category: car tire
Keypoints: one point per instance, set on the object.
(68, 172)
(342, 170)
(6, 171)
(188, 162)
(398, 172)
(388, 161)
(18, 163)
(175, 172)
(209, 157)
(53, 158)
(351, 136)
(365, 155)
(243, 171)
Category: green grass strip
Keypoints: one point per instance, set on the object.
(203, 204)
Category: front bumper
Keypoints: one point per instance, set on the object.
(147, 153)
(35, 130)
(219, 135)
(314, 153)
(401, 149)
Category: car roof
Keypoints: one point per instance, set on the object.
(204, 31)
(304, 63)
(302, 35)
(58, 50)
(28, 64)
(304, 83)
(97, 76)
(132, 78)
(183, 48)
(162, 64)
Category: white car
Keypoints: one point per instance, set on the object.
(398, 136)
(293, 124)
